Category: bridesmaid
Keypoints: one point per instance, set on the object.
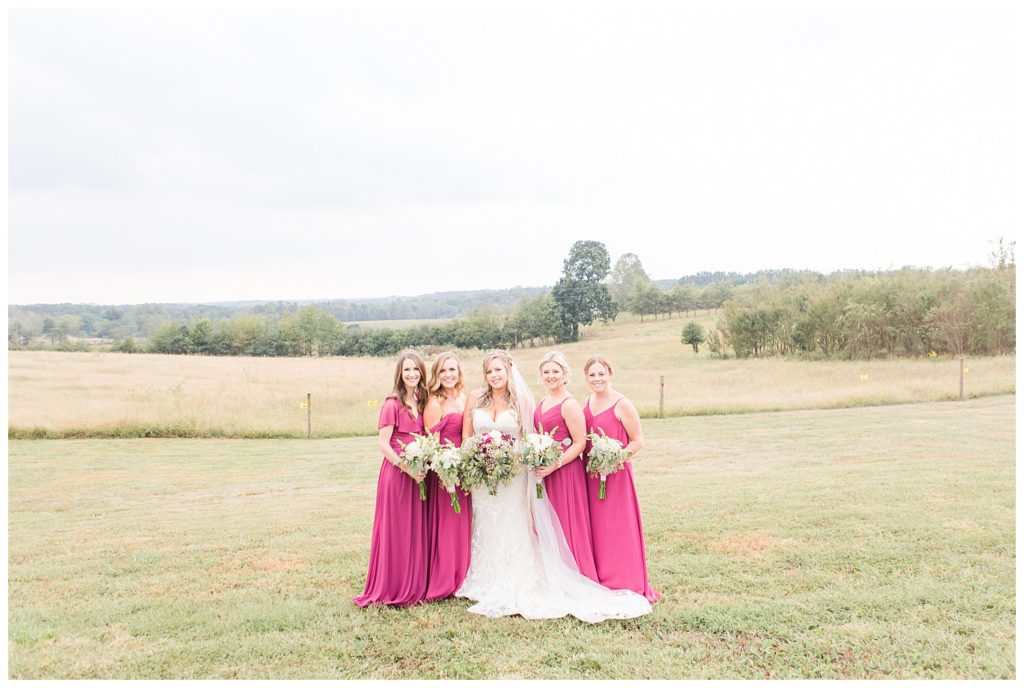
(450, 533)
(615, 524)
(565, 483)
(398, 548)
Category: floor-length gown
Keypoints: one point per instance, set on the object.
(520, 563)
(398, 548)
(567, 490)
(450, 532)
(615, 525)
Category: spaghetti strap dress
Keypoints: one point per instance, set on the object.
(567, 490)
(450, 533)
(617, 530)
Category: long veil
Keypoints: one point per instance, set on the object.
(525, 398)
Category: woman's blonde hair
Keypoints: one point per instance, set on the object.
(558, 358)
(597, 359)
(398, 390)
(434, 387)
(510, 388)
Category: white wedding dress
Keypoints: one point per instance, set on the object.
(520, 562)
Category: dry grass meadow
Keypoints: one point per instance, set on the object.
(138, 395)
(872, 542)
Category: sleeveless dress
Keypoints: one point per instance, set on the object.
(398, 548)
(615, 526)
(567, 490)
(450, 533)
(520, 563)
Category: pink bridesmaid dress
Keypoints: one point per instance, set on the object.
(615, 525)
(567, 490)
(450, 533)
(398, 548)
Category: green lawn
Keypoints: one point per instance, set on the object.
(853, 543)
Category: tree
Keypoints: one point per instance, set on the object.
(126, 346)
(693, 334)
(627, 277)
(48, 328)
(310, 331)
(202, 335)
(715, 295)
(1002, 256)
(684, 298)
(17, 335)
(580, 295)
(88, 326)
(646, 300)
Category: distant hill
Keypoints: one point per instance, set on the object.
(141, 320)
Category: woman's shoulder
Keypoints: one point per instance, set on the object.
(570, 404)
(624, 405)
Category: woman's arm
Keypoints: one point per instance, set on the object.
(431, 413)
(576, 424)
(627, 413)
(467, 415)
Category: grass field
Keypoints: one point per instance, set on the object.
(54, 394)
(871, 542)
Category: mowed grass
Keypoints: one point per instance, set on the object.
(54, 394)
(872, 542)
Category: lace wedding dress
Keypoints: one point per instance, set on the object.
(520, 562)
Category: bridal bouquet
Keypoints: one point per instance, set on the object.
(416, 456)
(447, 464)
(490, 459)
(539, 449)
(606, 456)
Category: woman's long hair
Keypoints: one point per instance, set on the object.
(398, 391)
(510, 390)
(434, 386)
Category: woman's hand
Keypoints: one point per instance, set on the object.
(545, 471)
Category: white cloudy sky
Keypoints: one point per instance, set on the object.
(203, 156)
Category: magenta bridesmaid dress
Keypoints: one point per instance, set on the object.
(450, 533)
(398, 548)
(567, 490)
(616, 529)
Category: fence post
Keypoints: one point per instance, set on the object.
(661, 398)
(961, 378)
(309, 415)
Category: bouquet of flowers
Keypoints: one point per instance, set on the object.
(540, 449)
(606, 456)
(416, 455)
(447, 463)
(490, 459)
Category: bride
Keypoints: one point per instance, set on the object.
(520, 562)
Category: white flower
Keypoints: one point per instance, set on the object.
(539, 442)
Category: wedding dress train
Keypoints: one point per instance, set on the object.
(520, 562)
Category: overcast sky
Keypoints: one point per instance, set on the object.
(233, 155)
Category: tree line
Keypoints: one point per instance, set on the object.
(910, 312)
(59, 323)
(314, 332)
(852, 314)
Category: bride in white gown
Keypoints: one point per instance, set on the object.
(520, 562)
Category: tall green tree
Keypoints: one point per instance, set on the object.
(580, 293)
